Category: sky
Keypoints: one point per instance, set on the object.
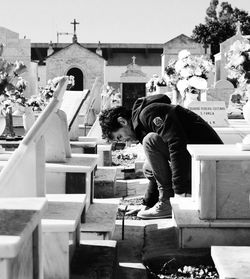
(107, 21)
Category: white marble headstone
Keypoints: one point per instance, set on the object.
(214, 112)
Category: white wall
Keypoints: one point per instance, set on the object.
(113, 73)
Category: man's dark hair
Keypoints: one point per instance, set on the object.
(108, 120)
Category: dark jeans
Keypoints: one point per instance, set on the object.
(157, 170)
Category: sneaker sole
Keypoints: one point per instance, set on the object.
(158, 217)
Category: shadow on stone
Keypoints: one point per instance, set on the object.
(94, 262)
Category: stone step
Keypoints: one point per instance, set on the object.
(100, 220)
(105, 154)
(130, 173)
(108, 186)
(88, 147)
(197, 233)
(231, 261)
(105, 182)
(95, 259)
(161, 246)
(131, 187)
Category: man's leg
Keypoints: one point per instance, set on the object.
(152, 194)
(157, 156)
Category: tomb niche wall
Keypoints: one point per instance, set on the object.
(19, 49)
(174, 46)
(181, 42)
(75, 56)
(224, 48)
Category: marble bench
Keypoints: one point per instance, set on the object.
(20, 237)
(61, 233)
(235, 132)
(220, 181)
(74, 176)
(232, 261)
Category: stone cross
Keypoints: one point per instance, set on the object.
(74, 23)
(133, 60)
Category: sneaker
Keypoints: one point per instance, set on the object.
(158, 211)
(136, 210)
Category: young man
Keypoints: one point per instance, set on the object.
(164, 130)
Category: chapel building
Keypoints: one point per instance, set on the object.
(126, 66)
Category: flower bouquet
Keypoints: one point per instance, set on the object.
(12, 87)
(110, 97)
(154, 83)
(46, 93)
(188, 74)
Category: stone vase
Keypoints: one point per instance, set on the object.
(246, 112)
(2, 124)
(19, 111)
(28, 119)
(9, 129)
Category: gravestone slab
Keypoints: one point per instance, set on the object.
(221, 91)
(213, 112)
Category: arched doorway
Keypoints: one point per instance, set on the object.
(77, 73)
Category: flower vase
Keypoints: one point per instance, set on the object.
(19, 111)
(160, 89)
(189, 98)
(9, 129)
(2, 124)
(28, 119)
(246, 112)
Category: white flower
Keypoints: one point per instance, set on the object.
(198, 71)
(183, 54)
(179, 65)
(197, 82)
(186, 72)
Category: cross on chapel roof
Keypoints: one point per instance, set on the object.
(74, 35)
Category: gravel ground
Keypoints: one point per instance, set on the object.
(129, 204)
(170, 271)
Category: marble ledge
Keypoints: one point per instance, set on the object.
(77, 198)
(16, 227)
(217, 152)
(83, 144)
(62, 216)
(76, 163)
(23, 203)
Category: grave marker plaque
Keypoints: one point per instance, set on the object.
(213, 112)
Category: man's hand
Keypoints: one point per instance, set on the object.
(134, 209)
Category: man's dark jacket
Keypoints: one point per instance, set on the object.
(178, 127)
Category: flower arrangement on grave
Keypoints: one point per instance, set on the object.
(188, 74)
(155, 81)
(238, 66)
(110, 97)
(40, 101)
(12, 87)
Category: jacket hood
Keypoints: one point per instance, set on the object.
(141, 103)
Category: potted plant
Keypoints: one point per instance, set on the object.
(188, 76)
(12, 87)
